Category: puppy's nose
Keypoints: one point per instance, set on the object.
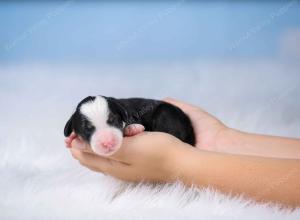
(106, 140)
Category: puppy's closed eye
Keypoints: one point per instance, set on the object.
(112, 118)
(88, 125)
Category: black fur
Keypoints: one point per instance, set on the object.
(154, 115)
(79, 123)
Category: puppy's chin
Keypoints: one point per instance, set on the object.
(107, 141)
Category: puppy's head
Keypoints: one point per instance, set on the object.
(99, 121)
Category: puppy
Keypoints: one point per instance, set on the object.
(103, 121)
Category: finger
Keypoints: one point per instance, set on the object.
(88, 150)
(133, 129)
(182, 105)
(192, 111)
(68, 140)
(73, 135)
(79, 144)
(101, 164)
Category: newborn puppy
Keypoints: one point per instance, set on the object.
(102, 121)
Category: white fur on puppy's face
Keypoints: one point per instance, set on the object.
(97, 112)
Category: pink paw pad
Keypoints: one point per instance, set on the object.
(133, 129)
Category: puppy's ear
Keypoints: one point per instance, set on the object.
(118, 108)
(69, 127)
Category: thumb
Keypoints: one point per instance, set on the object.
(182, 105)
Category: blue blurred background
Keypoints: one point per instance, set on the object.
(146, 31)
(239, 60)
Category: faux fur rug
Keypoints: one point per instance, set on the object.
(40, 180)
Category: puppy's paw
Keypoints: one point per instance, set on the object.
(133, 129)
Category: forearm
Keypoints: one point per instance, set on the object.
(237, 142)
(262, 179)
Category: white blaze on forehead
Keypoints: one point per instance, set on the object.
(96, 111)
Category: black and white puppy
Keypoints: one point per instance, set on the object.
(102, 121)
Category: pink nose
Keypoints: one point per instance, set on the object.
(106, 140)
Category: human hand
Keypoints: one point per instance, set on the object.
(152, 156)
(68, 140)
(210, 133)
(148, 156)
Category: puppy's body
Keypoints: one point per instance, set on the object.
(157, 115)
(101, 121)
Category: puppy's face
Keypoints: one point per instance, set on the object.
(100, 122)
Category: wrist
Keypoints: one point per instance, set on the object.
(227, 139)
(174, 163)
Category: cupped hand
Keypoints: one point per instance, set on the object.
(152, 156)
(209, 131)
(148, 156)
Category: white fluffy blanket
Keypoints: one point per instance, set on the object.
(40, 180)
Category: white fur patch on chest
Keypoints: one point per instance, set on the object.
(96, 111)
